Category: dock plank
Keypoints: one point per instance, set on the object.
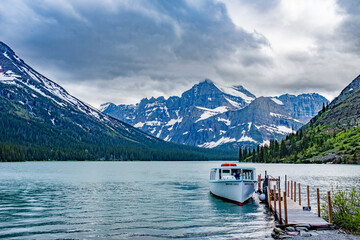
(296, 215)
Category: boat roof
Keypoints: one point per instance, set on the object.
(235, 167)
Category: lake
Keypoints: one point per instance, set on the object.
(140, 200)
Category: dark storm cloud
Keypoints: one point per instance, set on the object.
(122, 51)
(114, 40)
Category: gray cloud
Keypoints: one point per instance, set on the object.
(122, 51)
(349, 30)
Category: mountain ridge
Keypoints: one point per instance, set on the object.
(203, 116)
(332, 136)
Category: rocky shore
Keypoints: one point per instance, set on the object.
(305, 231)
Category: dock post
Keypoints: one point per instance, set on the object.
(330, 207)
(269, 193)
(285, 209)
(299, 195)
(291, 189)
(318, 201)
(275, 200)
(294, 191)
(308, 195)
(285, 183)
(259, 182)
(288, 189)
(280, 219)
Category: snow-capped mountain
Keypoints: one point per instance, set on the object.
(41, 120)
(20, 81)
(210, 115)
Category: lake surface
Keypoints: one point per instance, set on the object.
(139, 200)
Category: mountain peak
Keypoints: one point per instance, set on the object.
(354, 85)
(5, 48)
(208, 81)
(105, 106)
(237, 91)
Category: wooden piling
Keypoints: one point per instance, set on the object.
(288, 189)
(280, 219)
(285, 209)
(308, 195)
(274, 195)
(290, 212)
(259, 183)
(299, 195)
(318, 201)
(269, 194)
(330, 207)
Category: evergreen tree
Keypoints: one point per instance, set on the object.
(283, 149)
(240, 155)
(245, 153)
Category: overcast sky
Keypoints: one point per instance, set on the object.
(122, 51)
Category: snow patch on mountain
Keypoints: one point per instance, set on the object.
(278, 115)
(284, 129)
(277, 101)
(249, 126)
(210, 112)
(234, 92)
(226, 121)
(104, 106)
(6, 55)
(221, 141)
(235, 104)
(174, 121)
(246, 139)
(139, 125)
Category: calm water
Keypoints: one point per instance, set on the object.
(138, 200)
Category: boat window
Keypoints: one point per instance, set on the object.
(248, 174)
(212, 174)
(226, 172)
(235, 173)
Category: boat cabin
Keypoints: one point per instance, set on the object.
(230, 171)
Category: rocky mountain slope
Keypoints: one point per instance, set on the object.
(39, 120)
(210, 115)
(331, 136)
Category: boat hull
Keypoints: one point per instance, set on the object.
(237, 191)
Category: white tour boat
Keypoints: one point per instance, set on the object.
(232, 182)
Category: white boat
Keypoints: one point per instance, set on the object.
(232, 182)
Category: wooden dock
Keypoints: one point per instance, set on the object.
(287, 206)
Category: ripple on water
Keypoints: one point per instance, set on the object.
(168, 200)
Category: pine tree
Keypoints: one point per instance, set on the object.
(283, 149)
(240, 155)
